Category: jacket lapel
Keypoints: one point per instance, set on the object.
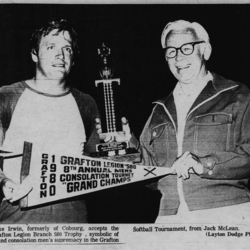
(161, 117)
(212, 89)
(205, 94)
(170, 105)
(163, 110)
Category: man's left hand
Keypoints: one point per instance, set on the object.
(124, 135)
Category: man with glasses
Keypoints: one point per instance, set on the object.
(201, 132)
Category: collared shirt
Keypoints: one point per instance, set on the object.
(184, 99)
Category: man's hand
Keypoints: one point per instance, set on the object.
(185, 164)
(124, 135)
(14, 192)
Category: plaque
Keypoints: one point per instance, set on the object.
(108, 91)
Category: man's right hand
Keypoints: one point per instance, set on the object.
(8, 189)
(14, 192)
(186, 164)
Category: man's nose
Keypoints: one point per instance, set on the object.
(179, 55)
(59, 53)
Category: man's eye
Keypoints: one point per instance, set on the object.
(187, 49)
(68, 49)
(50, 47)
(170, 52)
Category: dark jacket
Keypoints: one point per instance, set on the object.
(217, 131)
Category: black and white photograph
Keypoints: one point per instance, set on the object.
(125, 125)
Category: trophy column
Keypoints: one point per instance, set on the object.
(108, 90)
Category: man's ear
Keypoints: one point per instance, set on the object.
(34, 55)
(207, 51)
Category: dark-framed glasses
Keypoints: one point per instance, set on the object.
(186, 49)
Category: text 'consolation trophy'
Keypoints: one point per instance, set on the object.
(109, 107)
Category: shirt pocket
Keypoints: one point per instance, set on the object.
(213, 133)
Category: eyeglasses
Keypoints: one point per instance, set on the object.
(186, 49)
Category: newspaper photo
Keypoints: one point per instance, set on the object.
(124, 126)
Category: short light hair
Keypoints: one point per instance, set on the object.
(61, 25)
(181, 25)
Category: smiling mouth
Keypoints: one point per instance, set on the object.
(183, 67)
(58, 65)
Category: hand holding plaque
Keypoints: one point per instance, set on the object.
(113, 130)
(124, 135)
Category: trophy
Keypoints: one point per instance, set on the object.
(109, 108)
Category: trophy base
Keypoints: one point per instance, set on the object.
(123, 155)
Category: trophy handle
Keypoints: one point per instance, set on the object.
(109, 105)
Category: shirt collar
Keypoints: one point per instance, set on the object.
(180, 88)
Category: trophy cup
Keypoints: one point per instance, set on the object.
(109, 108)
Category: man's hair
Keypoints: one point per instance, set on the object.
(195, 28)
(61, 25)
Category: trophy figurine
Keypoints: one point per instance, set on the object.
(109, 108)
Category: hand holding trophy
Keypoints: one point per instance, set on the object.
(113, 129)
